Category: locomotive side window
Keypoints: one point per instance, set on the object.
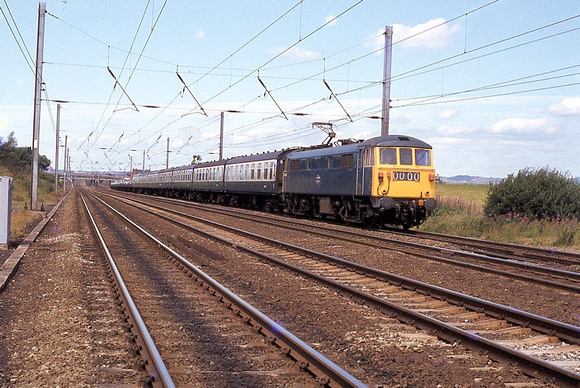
(388, 156)
(369, 157)
(406, 156)
(295, 165)
(422, 157)
(347, 161)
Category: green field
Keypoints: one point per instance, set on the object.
(460, 212)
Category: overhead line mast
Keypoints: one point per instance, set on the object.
(37, 102)
(387, 81)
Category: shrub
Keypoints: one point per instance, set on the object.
(535, 195)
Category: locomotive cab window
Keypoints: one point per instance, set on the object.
(406, 156)
(422, 157)
(388, 156)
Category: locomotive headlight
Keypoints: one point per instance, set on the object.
(432, 177)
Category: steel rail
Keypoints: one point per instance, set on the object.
(510, 247)
(327, 371)
(538, 253)
(160, 368)
(426, 253)
(531, 365)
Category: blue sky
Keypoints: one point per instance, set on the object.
(493, 86)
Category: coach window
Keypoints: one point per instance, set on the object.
(388, 155)
(253, 171)
(247, 173)
(422, 157)
(406, 156)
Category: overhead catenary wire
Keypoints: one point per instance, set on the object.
(19, 42)
(264, 64)
(140, 54)
(339, 93)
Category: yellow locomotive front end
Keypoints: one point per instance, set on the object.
(403, 183)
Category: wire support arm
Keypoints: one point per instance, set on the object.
(272, 97)
(123, 89)
(185, 87)
(337, 100)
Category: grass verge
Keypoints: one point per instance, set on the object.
(22, 217)
(460, 212)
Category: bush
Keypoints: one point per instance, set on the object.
(535, 195)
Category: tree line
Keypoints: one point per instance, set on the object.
(17, 158)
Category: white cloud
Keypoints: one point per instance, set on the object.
(450, 131)
(520, 125)
(567, 107)
(200, 34)
(433, 34)
(447, 140)
(447, 114)
(295, 53)
(331, 20)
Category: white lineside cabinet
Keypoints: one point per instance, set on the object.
(5, 209)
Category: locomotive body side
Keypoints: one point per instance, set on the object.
(385, 179)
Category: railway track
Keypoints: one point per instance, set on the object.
(553, 277)
(204, 334)
(506, 250)
(540, 346)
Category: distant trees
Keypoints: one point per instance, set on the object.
(18, 158)
(535, 194)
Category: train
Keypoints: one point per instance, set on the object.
(385, 180)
